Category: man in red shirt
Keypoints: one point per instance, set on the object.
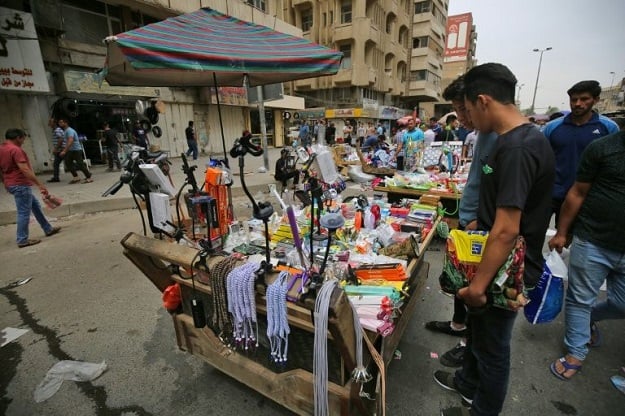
(18, 177)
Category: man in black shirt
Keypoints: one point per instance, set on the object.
(112, 150)
(515, 200)
(191, 141)
(593, 211)
(285, 170)
(141, 137)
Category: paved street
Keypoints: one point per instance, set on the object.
(87, 302)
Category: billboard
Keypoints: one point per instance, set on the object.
(21, 65)
(458, 37)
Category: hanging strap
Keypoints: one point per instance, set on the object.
(377, 358)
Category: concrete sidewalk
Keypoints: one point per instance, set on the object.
(87, 198)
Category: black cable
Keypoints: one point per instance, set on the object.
(325, 257)
(199, 252)
(134, 196)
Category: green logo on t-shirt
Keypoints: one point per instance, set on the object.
(487, 170)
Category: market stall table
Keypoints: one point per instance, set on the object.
(450, 200)
(290, 385)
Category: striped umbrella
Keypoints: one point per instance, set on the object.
(205, 48)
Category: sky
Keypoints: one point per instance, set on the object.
(587, 37)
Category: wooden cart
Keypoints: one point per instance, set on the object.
(291, 386)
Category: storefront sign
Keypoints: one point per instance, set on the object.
(344, 113)
(89, 82)
(312, 113)
(230, 96)
(21, 65)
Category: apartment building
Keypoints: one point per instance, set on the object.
(393, 52)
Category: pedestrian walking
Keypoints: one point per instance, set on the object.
(191, 140)
(18, 178)
(112, 147)
(58, 139)
(592, 213)
(72, 153)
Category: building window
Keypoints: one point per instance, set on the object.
(346, 63)
(90, 22)
(420, 42)
(422, 7)
(324, 19)
(346, 11)
(307, 20)
(442, 19)
(331, 17)
(259, 4)
(425, 75)
(389, 23)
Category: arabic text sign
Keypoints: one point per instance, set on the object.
(21, 65)
(458, 37)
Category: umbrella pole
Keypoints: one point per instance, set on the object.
(223, 144)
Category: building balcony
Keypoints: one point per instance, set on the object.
(343, 77)
(424, 91)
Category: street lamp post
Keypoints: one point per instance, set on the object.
(518, 94)
(540, 61)
(610, 96)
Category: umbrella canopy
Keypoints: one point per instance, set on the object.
(443, 120)
(404, 120)
(207, 47)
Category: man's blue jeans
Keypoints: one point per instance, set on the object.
(26, 202)
(192, 148)
(486, 368)
(589, 266)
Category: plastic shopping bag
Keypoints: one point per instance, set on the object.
(547, 296)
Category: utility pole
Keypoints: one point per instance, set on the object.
(540, 61)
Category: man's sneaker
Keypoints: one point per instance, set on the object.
(446, 328)
(446, 381)
(453, 357)
(455, 411)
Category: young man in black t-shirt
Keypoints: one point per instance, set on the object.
(515, 199)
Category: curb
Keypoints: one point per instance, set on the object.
(104, 204)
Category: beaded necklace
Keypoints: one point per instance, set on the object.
(277, 322)
(220, 318)
(242, 305)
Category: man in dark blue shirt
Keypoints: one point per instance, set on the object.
(570, 135)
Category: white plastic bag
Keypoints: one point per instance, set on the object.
(66, 370)
(556, 265)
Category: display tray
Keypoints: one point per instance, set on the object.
(290, 385)
(418, 192)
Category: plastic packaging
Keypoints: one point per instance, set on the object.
(369, 220)
(66, 370)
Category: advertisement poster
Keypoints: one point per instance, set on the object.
(458, 37)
